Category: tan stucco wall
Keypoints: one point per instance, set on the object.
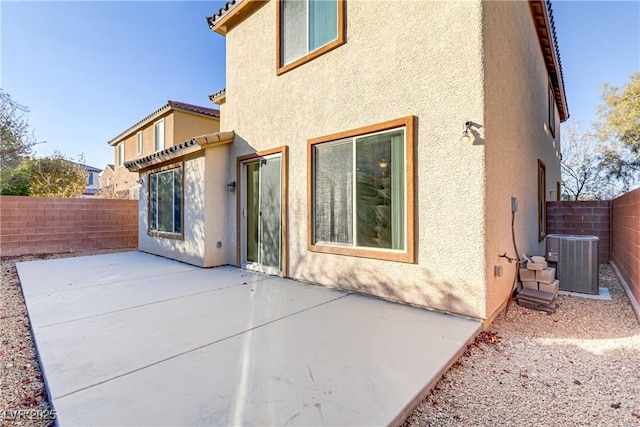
(125, 180)
(216, 200)
(204, 216)
(401, 58)
(517, 135)
(186, 126)
(178, 127)
(223, 115)
(192, 248)
(131, 141)
(106, 177)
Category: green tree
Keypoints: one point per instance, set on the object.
(18, 182)
(15, 140)
(56, 176)
(619, 126)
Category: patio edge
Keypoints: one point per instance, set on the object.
(408, 409)
(45, 381)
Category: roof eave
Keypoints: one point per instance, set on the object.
(545, 28)
(232, 14)
(208, 116)
(167, 108)
(219, 98)
(150, 118)
(176, 152)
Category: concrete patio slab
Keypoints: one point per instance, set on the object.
(67, 304)
(68, 273)
(179, 345)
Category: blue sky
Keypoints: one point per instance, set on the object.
(89, 70)
(599, 42)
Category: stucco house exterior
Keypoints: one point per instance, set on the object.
(107, 178)
(166, 127)
(376, 147)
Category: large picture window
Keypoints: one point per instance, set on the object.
(361, 189)
(165, 202)
(308, 29)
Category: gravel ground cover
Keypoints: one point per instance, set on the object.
(577, 367)
(23, 400)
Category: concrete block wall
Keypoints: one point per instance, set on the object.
(590, 218)
(625, 249)
(37, 225)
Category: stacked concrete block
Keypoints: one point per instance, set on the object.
(539, 286)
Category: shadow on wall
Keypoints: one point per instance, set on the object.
(424, 291)
(193, 200)
(365, 279)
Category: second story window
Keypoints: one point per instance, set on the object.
(139, 137)
(542, 200)
(158, 138)
(307, 29)
(121, 154)
(552, 112)
(90, 179)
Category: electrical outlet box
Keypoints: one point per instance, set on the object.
(497, 270)
(514, 204)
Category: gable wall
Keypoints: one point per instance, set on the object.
(186, 126)
(401, 58)
(517, 135)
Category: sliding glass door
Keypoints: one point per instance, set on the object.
(262, 214)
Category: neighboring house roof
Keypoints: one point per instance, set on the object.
(187, 147)
(169, 106)
(86, 167)
(111, 167)
(219, 97)
(177, 105)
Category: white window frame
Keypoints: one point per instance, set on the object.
(156, 143)
(139, 141)
(121, 154)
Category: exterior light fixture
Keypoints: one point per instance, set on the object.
(231, 187)
(466, 136)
